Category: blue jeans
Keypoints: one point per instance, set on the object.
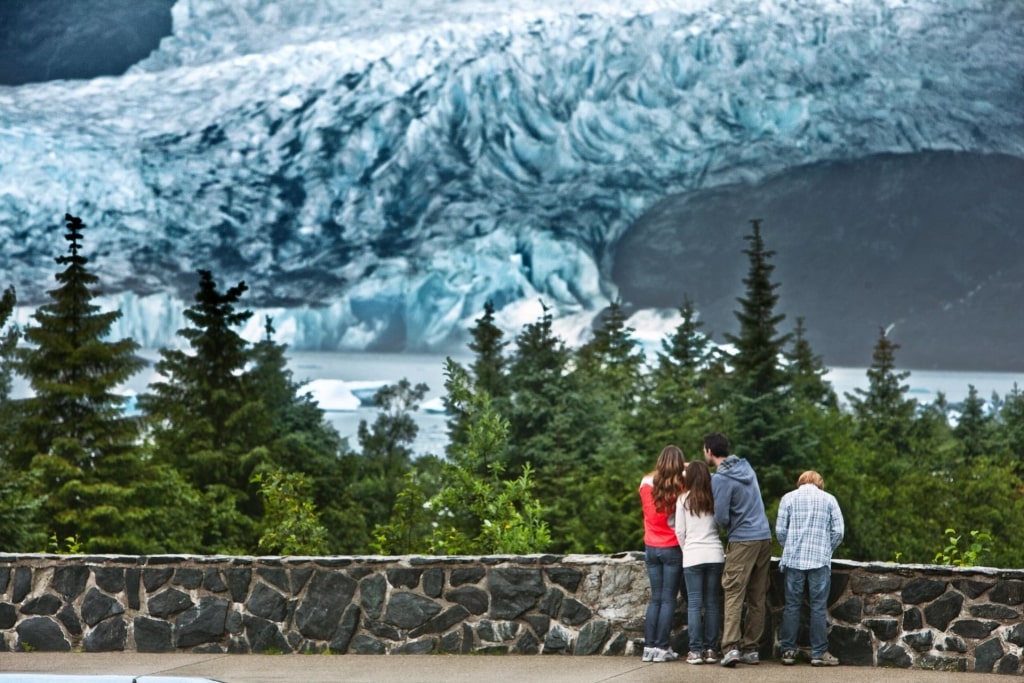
(704, 594)
(817, 583)
(665, 571)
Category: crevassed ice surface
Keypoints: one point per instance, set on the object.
(376, 170)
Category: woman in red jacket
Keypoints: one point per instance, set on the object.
(664, 558)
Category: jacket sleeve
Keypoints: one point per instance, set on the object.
(720, 491)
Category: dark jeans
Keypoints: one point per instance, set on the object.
(704, 605)
(817, 583)
(665, 571)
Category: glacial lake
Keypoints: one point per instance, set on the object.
(343, 384)
(386, 368)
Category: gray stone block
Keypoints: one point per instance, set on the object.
(203, 623)
(107, 636)
(944, 610)
(152, 635)
(98, 606)
(42, 634)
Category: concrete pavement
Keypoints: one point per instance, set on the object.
(116, 667)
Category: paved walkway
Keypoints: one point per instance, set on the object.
(116, 667)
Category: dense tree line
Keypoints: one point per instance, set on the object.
(226, 452)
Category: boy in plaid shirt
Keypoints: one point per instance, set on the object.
(809, 528)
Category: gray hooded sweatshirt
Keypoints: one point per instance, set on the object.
(739, 508)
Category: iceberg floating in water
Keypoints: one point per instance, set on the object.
(333, 395)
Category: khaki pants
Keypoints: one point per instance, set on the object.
(747, 565)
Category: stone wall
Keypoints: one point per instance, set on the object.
(881, 614)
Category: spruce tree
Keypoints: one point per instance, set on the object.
(974, 428)
(611, 377)
(548, 428)
(490, 366)
(489, 370)
(762, 404)
(759, 345)
(807, 372)
(883, 411)
(572, 429)
(539, 383)
(8, 342)
(192, 404)
(81, 445)
(1010, 432)
(74, 370)
(613, 359)
(682, 400)
(9, 335)
(201, 418)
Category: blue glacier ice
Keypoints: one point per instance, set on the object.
(375, 170)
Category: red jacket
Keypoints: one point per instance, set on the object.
(657, 532)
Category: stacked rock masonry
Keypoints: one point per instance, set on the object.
(880, 614)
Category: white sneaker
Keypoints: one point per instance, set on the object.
(648, 655)
(661, 655)
(826, 659)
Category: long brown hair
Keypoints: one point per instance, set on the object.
(698, 482)
(669, 482)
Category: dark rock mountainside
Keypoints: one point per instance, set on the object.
(930, 243)
(43, 40)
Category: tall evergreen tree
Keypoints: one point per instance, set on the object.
(8, 342)
(571, 428)
(201, 417)
(893, 479)
(807, 372)
(540, 384)
(759, 345)
(490, 366)
(613, 359)
(74, 371)
(883, 410)
(682, 400)
(8, 349)
(1010, 434)
(611, 377)
(490, 373)
(974, 428)
(79, 441)
(192, 404)
(553, 429)
(762, 405)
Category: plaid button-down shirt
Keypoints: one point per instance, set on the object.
(809, 528)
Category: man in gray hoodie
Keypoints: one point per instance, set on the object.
(739, 510)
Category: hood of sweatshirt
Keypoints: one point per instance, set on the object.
(737, 468)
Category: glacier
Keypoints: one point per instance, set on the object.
(376, 170)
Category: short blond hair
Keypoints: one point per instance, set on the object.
(811, 477)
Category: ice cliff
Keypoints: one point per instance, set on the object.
(376, 170)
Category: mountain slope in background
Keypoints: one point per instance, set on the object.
(931, 244)
(45, 40)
